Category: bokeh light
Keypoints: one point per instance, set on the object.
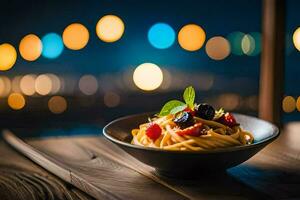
(191, 37)
(27, 84)
(298, 104)
(229, 101)
(56, 83)
(167, 80)
(57, 104)
(15, 84)
(5, 86)
(296, 38)
(205, 82)
(288, 104)
(217, 48)
(75, 36)
(30, 47)
(148, 76)
(8, 56)
(161, 35)
(16, 101)
(2, 87)
(111, 99)
(43, 84)
(52, 45)
(252, 102)
(110, 28)
(248, 44)
(257, 41)
(235, 40)
(127, 79)
(88, 84)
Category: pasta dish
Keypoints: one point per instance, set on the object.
(186, 126)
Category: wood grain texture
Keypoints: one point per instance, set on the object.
(21, 179)
(104, 171)
(95, 174)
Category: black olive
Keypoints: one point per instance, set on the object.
(184, 120)
(205, 111)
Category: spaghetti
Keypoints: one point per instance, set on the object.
(191, 127)
(214, 135)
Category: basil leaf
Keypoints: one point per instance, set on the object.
(189, 96)
(178, 109)
(169, 106)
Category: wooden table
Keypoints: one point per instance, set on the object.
(101, 170)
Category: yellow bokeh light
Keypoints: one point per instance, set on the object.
(75, 36)
(30, 47)
(148, 76)
(43, 84)
(288, 104)
(248, 44)
(27, 84)
(2, 87)
(8, 56)
(5, 86)
(298, 104)
(296, 38)
(16, 101)
(217, 48)
(110, 28)
(191, 37)
(57, 104)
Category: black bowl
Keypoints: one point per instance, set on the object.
(185, 163)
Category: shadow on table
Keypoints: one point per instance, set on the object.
(222, 185)
(243, 182)
(274, 182)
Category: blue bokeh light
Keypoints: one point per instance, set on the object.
(52, 45)
(161, 35)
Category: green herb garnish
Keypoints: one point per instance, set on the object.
(176, 106)
(178, 109)
(170, 105)
(189, 96)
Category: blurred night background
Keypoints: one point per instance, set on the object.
(74, 78)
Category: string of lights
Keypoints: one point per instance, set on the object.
(109, 29)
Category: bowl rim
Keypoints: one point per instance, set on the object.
(276, 133)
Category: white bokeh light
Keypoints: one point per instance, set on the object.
(148, 76)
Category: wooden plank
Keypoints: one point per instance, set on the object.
(94, 174)
(94, 163)
(219, 186)
(22, 179)
(272, 60)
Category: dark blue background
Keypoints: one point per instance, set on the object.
(217, 17)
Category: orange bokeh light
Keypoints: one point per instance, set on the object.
(16, 101)
(30, 47)
(8, 56)
(75, 36)
(57, 104)
(217, 48)
(191, 37)
(288, 104)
